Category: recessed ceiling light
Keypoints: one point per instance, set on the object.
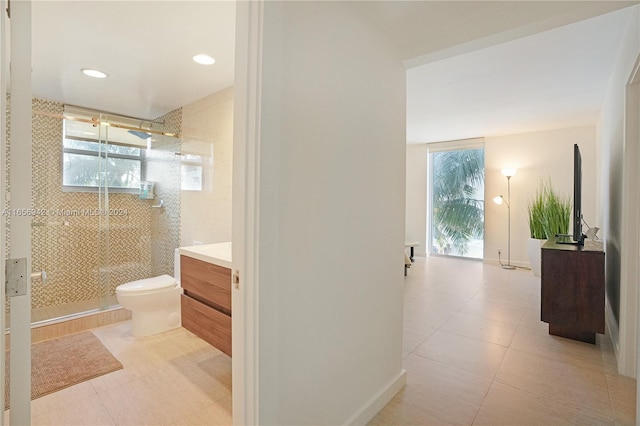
(94, 73)
(204, 59)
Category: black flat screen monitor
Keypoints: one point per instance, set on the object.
(577, 195)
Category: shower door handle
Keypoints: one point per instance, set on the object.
(41, 275)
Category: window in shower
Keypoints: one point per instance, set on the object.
(89, 163)
(191, 173)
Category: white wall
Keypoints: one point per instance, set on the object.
(538, 155)
(330, 218)
(416, 203)
(207, 132)
(621, 302)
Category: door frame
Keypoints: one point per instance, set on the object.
(630, 238)
(245, 212)
(4, 70)
(19, 35)
(629, 332)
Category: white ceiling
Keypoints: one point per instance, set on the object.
(455, 90)
(146, 48)
(554, 79)
(428, 28)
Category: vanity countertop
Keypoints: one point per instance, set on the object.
(218, 254)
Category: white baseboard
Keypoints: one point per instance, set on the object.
(612, 326)
(521, 265)
(371, 408)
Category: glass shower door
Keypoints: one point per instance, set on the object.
(104, 245)
(70, 237)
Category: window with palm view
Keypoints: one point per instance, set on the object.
(95, 156)
(456, 219)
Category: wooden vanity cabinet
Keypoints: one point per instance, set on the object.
(206, 302)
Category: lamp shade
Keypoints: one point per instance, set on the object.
(498, 200)
(509, 172)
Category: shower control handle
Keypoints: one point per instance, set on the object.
(41, 275)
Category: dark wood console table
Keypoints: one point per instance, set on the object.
(573, 290)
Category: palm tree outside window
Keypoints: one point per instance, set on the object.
(456, 203)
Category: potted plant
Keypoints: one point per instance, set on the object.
(549, 214)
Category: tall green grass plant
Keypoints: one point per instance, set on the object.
(549, 213)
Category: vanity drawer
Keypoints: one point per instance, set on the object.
(210, 325)
(207, 282)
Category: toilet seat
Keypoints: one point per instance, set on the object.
(148, 285)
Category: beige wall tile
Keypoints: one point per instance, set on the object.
(208, 133)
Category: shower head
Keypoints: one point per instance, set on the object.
(140, 134)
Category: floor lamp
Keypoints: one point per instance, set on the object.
(499, 200)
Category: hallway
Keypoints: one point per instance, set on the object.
(477, 353)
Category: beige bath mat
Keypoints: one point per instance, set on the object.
(66, 361)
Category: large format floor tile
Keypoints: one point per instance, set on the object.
(508, 405)
(444, 392)
(482, 328)
(173, 378)
(475, 351)
(560, 381)
(481, 356)
(465, 353)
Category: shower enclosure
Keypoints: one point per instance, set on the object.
(91, 229)
(73, 228)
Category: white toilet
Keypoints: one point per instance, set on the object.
(154, 304)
